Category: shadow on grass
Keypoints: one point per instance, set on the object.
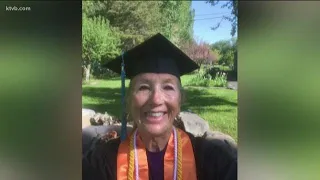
(113, 78)
(201, 100)
(110, 98)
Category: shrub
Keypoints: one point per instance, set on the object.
(220, 79)
(205, 79)
(99, 72)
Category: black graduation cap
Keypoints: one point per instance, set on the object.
(155, 55)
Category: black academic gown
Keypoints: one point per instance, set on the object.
(215, 160)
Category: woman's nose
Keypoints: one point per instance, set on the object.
(156, 97)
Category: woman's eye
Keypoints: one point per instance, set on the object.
(143, 88)
(168, 87)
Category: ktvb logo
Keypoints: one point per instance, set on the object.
(15, 8)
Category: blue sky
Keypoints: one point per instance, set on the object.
(202, 28)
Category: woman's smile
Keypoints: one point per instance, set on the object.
(155, 117)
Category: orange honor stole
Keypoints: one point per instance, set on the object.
(179, 162)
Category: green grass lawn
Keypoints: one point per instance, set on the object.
(216, 105)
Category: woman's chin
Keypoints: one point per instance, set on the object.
(155, 129)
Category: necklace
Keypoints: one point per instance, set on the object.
(177, 158)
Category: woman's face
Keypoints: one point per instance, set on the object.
(154, 102)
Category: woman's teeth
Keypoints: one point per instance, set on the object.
(157, 114)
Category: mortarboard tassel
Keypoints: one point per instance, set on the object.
(123, 118)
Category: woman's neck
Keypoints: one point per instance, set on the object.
(155, 144)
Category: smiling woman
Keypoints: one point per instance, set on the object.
(154, 102)
(157, 148)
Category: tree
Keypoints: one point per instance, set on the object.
(98, 40)
(204, 54)
(138, 20)
(200, 52)
(216, 55)
(226, 49)
(177, 21)
(135, 21)
(230, 4)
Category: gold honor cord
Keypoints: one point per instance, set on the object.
(179, 157)
(131, 160)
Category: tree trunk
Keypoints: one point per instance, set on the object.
(235, 62)
(87, 72)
